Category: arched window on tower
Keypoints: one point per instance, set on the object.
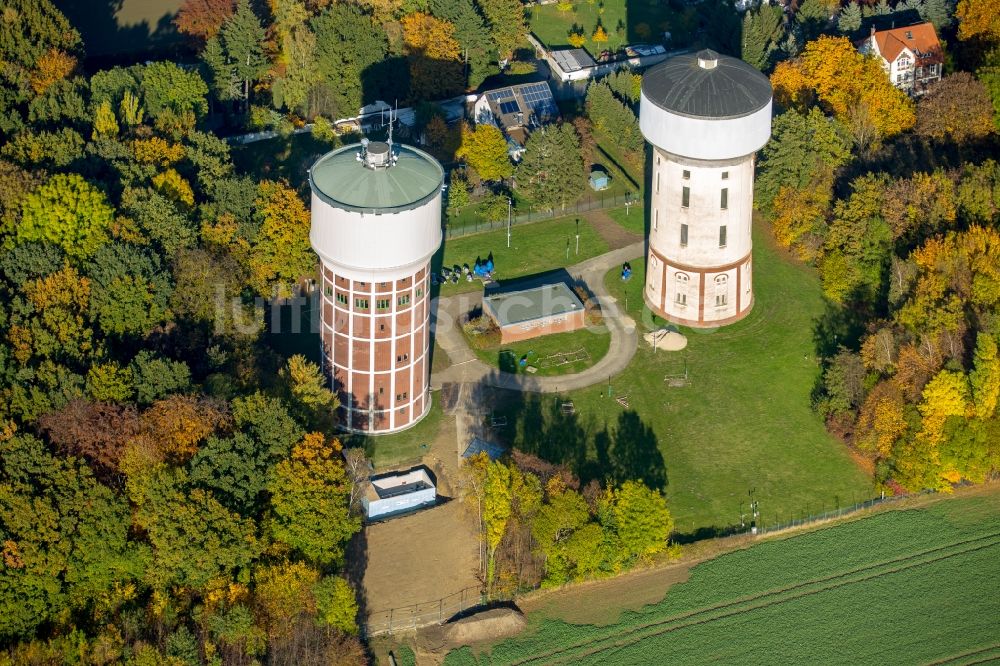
(721, 290)
(682, 282)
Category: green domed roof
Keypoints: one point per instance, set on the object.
(341, 179)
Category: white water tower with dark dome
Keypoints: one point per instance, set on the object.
(376, 223)
(706, 115)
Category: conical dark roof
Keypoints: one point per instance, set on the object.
(706, 85)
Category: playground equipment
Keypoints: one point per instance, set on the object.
(563, 358)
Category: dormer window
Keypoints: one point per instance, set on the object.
(909, 35)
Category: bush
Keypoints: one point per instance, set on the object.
(481, 332)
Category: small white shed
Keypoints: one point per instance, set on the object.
(398, 492)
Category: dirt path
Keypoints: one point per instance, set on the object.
(612, 233)
(419, 559)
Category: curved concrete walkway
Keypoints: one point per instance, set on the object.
(466, 366)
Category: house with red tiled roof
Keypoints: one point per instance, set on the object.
(911, 56)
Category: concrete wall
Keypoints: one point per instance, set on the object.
(368, 241)
(561, 323)
(700, 282)
(704, 138)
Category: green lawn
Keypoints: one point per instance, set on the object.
(625, 21)
(541, 351)
(535, 248)
(900, 587)
(401, 448)
(744, 420)
(633, 219)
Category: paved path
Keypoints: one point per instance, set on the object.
(466, 367)
(613, 233)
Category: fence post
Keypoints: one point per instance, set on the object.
(440, 610)
(390, 620)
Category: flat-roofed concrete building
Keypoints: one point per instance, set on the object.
(376, 223)
(706, 116)
(530, 313)
(398, 492)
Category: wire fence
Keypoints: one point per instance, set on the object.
(592, 202)
(438, 611)
(808, 519)
(415, 616)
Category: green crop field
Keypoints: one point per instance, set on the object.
(900, 587)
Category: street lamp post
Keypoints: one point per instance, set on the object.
(510, 205)
(578, 235)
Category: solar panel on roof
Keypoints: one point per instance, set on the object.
(508, 107)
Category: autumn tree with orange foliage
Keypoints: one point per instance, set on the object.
(852, 87)
(202, 19)
(173, 428)
(929, 419)
(978, 18)
(434, 55)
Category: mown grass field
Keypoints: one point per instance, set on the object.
(642, 20)
(899, 587)
(401, 448)
(744, 421)
(594, 341)
(535, 248)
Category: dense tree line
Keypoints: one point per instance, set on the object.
(317, 58)
(908, 257)
(169, 489)
(538, 527)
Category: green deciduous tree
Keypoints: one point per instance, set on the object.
(484, 149)
(306, 391)
(63, 538)
(310, 501)
(193, 537)
(155, 377)
(639, 518)
(129, 290)
(68, 211)
(295, 69)
(166, 87)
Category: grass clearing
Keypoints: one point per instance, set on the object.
(631, 219)
(897, 587)
(593, 341)
(744, 420)
(625, 21)
(406, 447)
(535, 248)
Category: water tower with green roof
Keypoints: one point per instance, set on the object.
(376, 223)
